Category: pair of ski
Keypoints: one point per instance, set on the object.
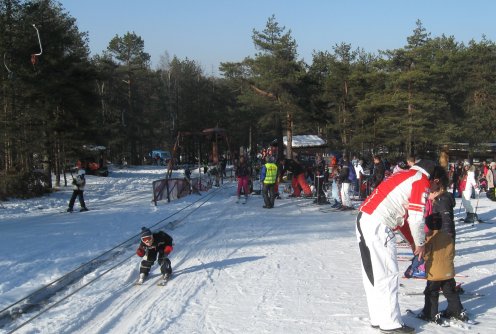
(445, 322)
(242, 201)
(331, 209)
(162, 281)
(465, 294)
(480, 221)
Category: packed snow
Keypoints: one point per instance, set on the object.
(238, 268)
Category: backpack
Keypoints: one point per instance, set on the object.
(352, 173)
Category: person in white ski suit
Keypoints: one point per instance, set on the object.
(382, 212)
(467, 184)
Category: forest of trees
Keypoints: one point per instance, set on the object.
(56, 97)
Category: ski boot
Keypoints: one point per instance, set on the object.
(141, 278)
(402, 329)
(462, 316)
(470, 218)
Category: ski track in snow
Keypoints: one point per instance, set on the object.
(237, 268)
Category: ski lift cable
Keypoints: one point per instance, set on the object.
(5, 62)
(39, 41)
(194, 208)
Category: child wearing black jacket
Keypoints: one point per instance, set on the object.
(440, 254)
(151, 245)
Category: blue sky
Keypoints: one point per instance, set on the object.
(214, 31)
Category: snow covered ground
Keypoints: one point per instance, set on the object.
(238, 268)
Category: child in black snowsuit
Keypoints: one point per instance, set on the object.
(151, 245)
(440, 253)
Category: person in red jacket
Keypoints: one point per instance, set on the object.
(151, 245)
(380, 214)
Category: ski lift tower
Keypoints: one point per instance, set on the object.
(216, 135)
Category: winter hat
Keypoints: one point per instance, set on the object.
(145, 232)
(402, 165)
(427, 165)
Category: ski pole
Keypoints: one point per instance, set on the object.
(477, 203)
(460, 208)
(476, 207)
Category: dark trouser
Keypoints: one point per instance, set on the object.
(77, 193)
(431, 293)
(455, 188)
(319, 183)
(268, 195)
(149, 259)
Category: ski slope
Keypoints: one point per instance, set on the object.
(238, 268)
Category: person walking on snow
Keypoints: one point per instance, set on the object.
(78, 184)
(153, 245)
(268, 176)
(380, 214)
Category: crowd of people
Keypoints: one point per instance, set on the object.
(412, 197)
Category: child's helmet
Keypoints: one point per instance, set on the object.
(81, 171)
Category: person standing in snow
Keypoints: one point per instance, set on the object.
(440, 253)
(78, 184)
(378, 173)
(345, 182)
(359, 172)
(268, 176)
(491, 181)
(335, 185)
(380, 214)
(321, 176)
(151, 245)
(243, 173)
(467, 185)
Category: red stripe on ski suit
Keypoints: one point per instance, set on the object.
(402, 192)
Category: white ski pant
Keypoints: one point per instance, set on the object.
(466, 199)
(380, 271)
(345, 194)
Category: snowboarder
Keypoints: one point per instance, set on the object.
(151, 245)
(382, 212)
(440, 253)
(78, 184)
